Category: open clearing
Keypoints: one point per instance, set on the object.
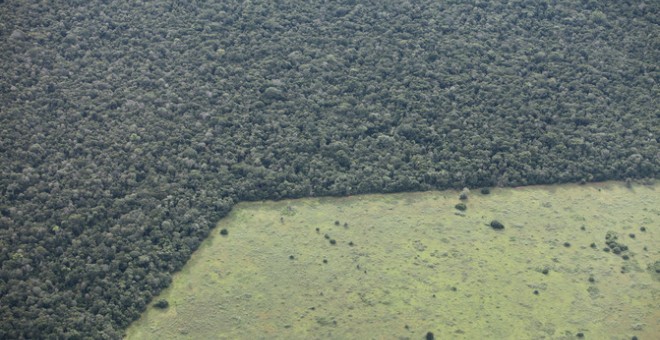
(406, 264)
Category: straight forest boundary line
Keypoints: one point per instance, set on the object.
(129, 128)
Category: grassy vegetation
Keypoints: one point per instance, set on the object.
(407, 264)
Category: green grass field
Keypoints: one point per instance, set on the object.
(408, 264)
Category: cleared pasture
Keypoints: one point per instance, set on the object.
(402, 265)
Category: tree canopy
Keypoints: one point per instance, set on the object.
(128, 128)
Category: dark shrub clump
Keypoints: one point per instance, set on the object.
(162, 304)
(495, 224)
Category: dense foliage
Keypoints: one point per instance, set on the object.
(128, 128)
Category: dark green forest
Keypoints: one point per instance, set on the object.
(129, 128)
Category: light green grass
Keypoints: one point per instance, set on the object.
(419, 265)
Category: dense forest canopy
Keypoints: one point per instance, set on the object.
(128, 128)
